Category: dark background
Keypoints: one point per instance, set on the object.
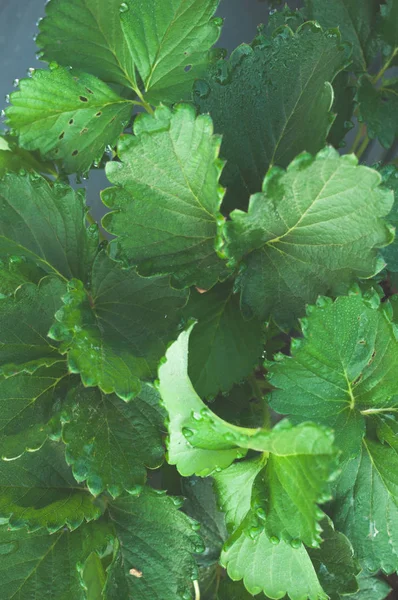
(18, 27)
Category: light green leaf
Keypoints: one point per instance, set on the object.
(169, 42)
(94, 577)
(366, 506)
(45, 223)
(356, 20)
(180, 401)
(276, 569)
(67, 115)
(156, 543)
(342, 371)
(87, 35)
(115, 331)
(234, 489)
(110, 442)
(39, 491)
(314, 228)
(167, 198)
(378, 109)
(47, 566)
(390, 180)
(283, 107)
(223, 347)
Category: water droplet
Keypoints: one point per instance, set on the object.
(178, 502)
(123, 7)
(197, 416)
(187, 432)
(3, 112)
(201, 89)
(7, 98)
(31, 71)
(200, 547)
(260, 512)
(136, 490)
(254, 532)
(195, 526)
(218, 21)
(40, 55)
(274, 540)
(15, 83)
(187, 596)
(272, 12)
(295, 544)
(228, 437)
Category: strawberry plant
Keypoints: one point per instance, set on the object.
(199, 395)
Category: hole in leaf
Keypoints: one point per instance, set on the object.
(188, 68)
(71, 122)
(84, 130)
(372, 357)
(89, 91)
(98, 114)
(60, 137)
(357, 380)
(75, 152)
(362, 342)
(83, 99)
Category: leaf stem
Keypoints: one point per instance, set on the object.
(386, 65)
(197, 589)
(260, 397)
(358, 137)
(144, 103)
(363, 146)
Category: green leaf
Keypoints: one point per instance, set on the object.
(87, 35)
(389, 174)
(38, 490)
(15, 271)
(16, 159)
(371, 588)
(180, 401)
(169, 43)
(366, 506)
(201, 505)
(67, 115)
(356, 20)
(25, 319)
(342, 371)
(45, 223)
(334, 562)
(273, 568)
(167, 198)
(283, 107)
(115, 331)
(234, 489)
(378, 108)
(388, 30)
(314, 228)
(156, 543)
(343, 107)
(110, 442)
(232, 590)
(47, 566)
(216, 360)
(94, 577)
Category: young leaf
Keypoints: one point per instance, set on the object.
(180, 401)
(39, 491)
(342, 371)
(67, 115)
(115, 330)
(45, 223)
(169, 43)
(110, 442)
(156, 543)
(273, 567)
(366, 507)
(378, 108)
(87, 35)
(315, 227)
(288, 77)
(356, 20)
(167, 198)
(48, 566)
(216, 359)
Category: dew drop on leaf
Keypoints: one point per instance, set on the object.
(123, 7)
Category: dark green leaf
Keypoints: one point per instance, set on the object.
(270, 102)
(378, 109)
(390, 180)
(115, 331)
(16, 159)
(110, 442)
(223, 347)
(343, 107)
